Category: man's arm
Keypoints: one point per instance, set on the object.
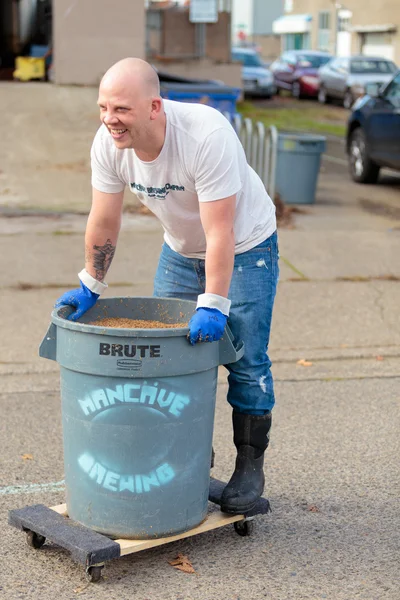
(102, 231)
(101, 236)
(208, 322)
(218, 219)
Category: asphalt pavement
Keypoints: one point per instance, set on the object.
(332, 473)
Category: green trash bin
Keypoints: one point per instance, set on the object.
(298, 164)
(137, 413)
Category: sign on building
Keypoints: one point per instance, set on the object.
(203, 11)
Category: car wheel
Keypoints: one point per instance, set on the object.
(323, 97)
(296, 89)
(348, 100)
(362, 168)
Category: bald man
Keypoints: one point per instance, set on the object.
(185, 162)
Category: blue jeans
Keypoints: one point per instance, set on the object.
(252, 292)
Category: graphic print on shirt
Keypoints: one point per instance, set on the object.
(156, 192)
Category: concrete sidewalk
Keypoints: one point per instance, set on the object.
(332, 469)
(332, 474)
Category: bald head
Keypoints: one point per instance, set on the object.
(131, 107)
(132, 73)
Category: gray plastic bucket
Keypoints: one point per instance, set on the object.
(298, 165)
(138, 413)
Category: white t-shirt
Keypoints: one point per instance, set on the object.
(202, 160)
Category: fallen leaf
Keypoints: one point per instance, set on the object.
(81, 588)
(27, 457)
(379, 357)
(182, 563)
(313, 508)
(304, 363)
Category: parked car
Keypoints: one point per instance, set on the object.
(297, 71)
(373, 132)
(257, 80)
(345, 78)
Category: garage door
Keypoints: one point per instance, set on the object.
(377, 44)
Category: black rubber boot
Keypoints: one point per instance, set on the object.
(251, 438)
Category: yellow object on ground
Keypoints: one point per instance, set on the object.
(29, 67)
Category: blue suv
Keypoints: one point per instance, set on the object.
(373, 132)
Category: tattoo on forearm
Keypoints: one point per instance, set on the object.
(102, 257)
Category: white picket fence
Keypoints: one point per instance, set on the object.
(260, 144)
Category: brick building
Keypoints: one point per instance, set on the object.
(354, 27)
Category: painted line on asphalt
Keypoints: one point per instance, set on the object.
(33, 488)
(335, 159)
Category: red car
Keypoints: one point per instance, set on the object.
(297, 71)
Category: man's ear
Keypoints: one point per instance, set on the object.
(156, 107)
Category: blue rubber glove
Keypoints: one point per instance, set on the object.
(81, 298)
(206, 325)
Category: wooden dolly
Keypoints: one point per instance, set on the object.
(92, 549)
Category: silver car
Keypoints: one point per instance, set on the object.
(345, 78)
(257, 79)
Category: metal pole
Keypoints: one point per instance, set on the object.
(200, 35)
(258, 148)
(248, 130)
(237, 123)
(274, 154)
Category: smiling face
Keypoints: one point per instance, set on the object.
(125, 117)
(129, 104)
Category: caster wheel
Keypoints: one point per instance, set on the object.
(34, 540)
(93, 574)
(243, 528)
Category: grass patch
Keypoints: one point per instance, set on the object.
(302, 116)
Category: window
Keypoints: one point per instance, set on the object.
(313, 61)
(247, 59)
(324, 27)
(343, 24)
(392, 93)
(365, 65)
(324, 19)
(290, 58)
(296, 41)
(333, 64)
(342, 65)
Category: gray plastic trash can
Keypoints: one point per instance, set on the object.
(298, 164)
(137, 413)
